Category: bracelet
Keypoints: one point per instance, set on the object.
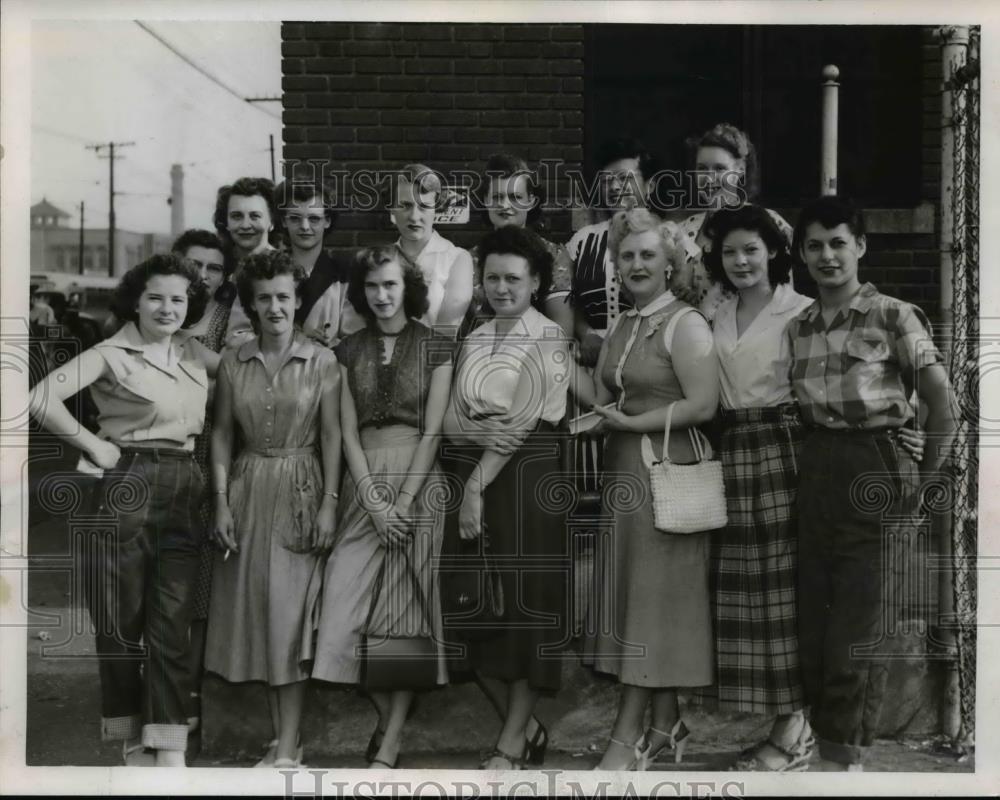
(334, 495)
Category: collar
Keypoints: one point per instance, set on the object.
(301, 348)
(649, 309)
(785, 298)
(862, 301)
(435, 244)
(128, 338)
(531, 323)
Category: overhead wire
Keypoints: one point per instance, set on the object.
(190, 62)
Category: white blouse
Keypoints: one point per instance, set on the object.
(436, 261)
(523, 379)
(754, 367)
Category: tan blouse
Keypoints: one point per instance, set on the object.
(142, 402)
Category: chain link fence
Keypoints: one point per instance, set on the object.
(964, 367)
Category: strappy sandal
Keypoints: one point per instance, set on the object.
(515, 762)
(374, 744)
(676, 741)
(535, 747)
(797, 756)
(640, 755)
(137, 756)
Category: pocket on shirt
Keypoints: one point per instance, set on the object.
(867, 350)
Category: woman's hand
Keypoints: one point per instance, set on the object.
(614, 420)
(225, 532)
(325, 525)
(913, 443)
(470, 516)
(104, 454)
(388, 529)
(502, 442)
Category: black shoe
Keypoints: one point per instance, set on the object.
(535, 747)
(373, 745)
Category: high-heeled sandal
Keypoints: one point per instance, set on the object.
(640, 755)
(136, 755)
(535, 747)
(269, 759)
(797, 756)
(676, 740)
(384, 763)
(516, 763)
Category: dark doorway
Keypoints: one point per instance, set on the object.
(666, 83)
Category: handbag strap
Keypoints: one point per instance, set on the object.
(693, 434)
(417, 590)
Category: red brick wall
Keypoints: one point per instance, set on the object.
(378, 95)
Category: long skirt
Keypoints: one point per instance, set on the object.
(649, 622)
(524, 512)
(259, 594)
(754, 563)
(342, 588)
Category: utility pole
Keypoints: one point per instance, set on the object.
(110, 147)
(271, 139)
(81, 238)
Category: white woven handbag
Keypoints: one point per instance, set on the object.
(687, 498)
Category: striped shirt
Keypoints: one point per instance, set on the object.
(860, 372)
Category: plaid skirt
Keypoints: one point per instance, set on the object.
(754, 563)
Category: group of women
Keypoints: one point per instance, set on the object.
(317, 473)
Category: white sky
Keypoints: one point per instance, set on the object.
(100, 81)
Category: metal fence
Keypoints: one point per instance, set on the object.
(964, 365)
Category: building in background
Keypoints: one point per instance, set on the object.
(55, 246)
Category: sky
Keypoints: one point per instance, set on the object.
(101, 81)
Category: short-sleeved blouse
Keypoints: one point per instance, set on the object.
(393, 393)
(143, 401)
(754, 368)
(490, 368)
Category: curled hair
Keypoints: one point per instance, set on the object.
(302, 191)
(640, 220)
(738, 145)
(528, 245)
(756, 220)
(829, 211)
(133, 284)
(426, 181)
(612, 150)
(415, 302)
(264, 267)
(507, 165)
(199, 237)
(244, 187)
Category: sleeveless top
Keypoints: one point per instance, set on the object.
(393, 393)
(648, 373)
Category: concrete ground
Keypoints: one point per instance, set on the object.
(63, 707)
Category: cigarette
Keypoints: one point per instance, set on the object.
(226, 556)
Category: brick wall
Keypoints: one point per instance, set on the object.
(378, 95)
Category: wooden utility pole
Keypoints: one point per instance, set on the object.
(80, 265)
(110, 147)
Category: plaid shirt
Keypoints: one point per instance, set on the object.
(862, 371)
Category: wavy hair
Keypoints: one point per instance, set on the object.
(133, 284)
(415, 302)
(756, 220)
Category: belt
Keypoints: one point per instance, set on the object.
(883, 431)
(280, 452)
(158, 453)
(786, 412)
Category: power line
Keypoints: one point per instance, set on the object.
(201, 69)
